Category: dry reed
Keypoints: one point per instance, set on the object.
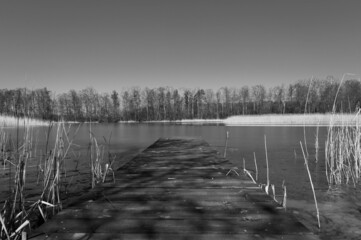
(246, 172)
(342, 147)
(255, 165)
(99, 169)
(225, 145)
(14, 213)
(284, 201)
(342, 154)
(268, 181)
(313, 189)
(304, 125)
(317, 146)
(17, 212)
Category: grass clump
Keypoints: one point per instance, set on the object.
(342, 147)
(18, 213)
(343, 153)
(99, 169)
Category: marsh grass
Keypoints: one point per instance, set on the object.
(98, 166)
(343, 147)
(343, 154)
(19, 213)
(14, 212)
(53, 167)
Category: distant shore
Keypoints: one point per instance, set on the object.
(239, 120)
(293, 120)
(273, 120)
(11, 121)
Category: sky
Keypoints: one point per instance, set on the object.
(114, 45)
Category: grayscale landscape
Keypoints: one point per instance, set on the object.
(273, 87)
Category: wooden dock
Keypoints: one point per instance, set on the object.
(176, 189)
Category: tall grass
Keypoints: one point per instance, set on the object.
(53, 167)
(343, 147)
(14, 213)
(18, 212)
(343, 153)
(98, 166)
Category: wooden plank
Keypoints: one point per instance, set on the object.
(185, 235)
(258, 224)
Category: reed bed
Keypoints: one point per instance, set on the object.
(293, 120)
(53, 168)
(98, 166)
(14, 214)
(343, 152)
(19, 213)
(11, 121)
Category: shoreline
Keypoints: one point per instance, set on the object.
(10, 121)
(274, 120)
(294, 120)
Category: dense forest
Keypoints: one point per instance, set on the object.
(166, 103)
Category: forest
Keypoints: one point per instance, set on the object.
(167, 103)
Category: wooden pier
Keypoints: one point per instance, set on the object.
(176, 189)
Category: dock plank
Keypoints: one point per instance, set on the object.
(175, 189)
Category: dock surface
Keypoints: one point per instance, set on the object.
(176, 189)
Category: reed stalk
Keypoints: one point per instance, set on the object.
(317, 146)
(268, 181)
(274, 192)
(255, 165)
(284, 201)
(249, 175)
(97, 151)
(226, 144)
(246, 172)
(313, 189)
(233, 169)
(304, 125)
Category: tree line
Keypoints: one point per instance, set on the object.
(166, 103)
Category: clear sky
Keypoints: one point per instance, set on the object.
(110, 45)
